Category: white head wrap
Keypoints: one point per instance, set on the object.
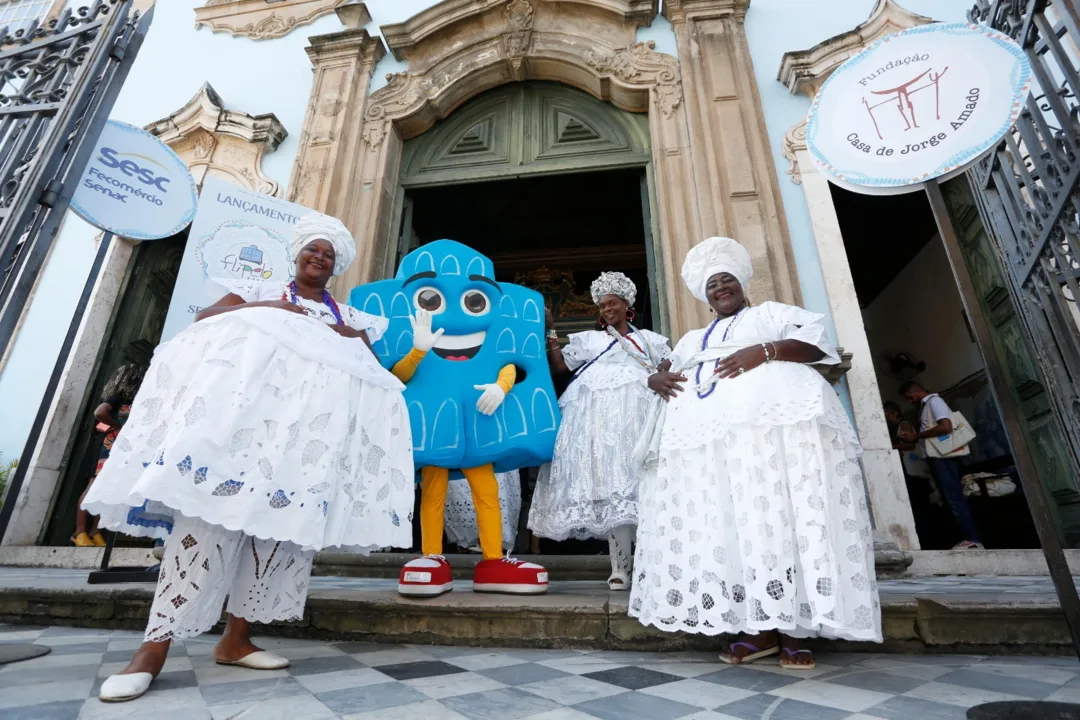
(713, 256)
(613, 283)
(317, 226)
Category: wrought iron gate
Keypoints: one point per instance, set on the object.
(1028, 192)
(58, 83)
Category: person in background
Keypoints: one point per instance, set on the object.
(110, 415)
(935, 420)
(894, 417)
(754, 517)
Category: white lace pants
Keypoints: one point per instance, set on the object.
(265, 580)
(621, 550)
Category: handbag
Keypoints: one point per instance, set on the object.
(955, 444)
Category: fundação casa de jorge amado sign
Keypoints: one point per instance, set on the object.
(915, 106)
(135, 186)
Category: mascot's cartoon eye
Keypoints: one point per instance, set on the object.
(475, 302)
(430, 299)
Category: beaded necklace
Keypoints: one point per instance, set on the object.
(647, 361)
(327, 298)
(705, 344)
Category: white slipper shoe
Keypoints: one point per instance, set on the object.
(259, 660)
(120, 688)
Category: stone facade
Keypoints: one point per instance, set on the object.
(351, 146)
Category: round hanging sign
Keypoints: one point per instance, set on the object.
(135, 186)
(919, 105)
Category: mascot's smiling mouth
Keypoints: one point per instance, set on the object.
(459, 348)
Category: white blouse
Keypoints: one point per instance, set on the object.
(614, 364)
(256, 291)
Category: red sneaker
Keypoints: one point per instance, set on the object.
(426, 576)
(511, 576)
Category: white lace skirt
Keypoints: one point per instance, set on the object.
(760, 527)
(461, 528)
(241, 429)
(591, 487)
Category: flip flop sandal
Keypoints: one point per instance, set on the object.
(787, 664)
(618, 581)
(756, 653)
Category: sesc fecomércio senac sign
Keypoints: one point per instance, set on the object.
(918, 105)
(135, 186)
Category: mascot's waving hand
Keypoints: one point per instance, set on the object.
(470, 351)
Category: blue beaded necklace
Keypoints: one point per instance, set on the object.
(705, 344)
(327, 299)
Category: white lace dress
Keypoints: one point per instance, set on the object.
(461, 527)
(270, 423)
(754, 517)
(591, 487)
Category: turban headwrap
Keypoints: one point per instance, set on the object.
(711, 257)
(317, 226)
(613, 283)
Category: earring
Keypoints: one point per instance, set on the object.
(630, 315)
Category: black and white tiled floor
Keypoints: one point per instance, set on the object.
(398, 682)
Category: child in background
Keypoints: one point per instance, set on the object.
(110, 415)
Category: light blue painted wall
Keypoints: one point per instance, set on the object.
(275, 77)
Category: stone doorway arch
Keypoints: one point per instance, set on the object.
(709, 153)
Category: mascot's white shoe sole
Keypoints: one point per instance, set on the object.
(121, 688)
(259, 660)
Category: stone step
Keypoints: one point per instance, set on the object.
(889, 562)
(573, 614)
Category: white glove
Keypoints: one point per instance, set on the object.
(492, 398)
(422, 337)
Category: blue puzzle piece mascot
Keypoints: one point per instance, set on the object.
(470, 351)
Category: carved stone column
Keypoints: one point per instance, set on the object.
(332, 158)
(735, 191)
(804, 72)
(881, 464)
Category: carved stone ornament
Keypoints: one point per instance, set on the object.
(805, 71)
(519, 36)
(224, 143)
(794, 141)
(260, 19)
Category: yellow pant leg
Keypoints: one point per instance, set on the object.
(433, 483)
(485, 494)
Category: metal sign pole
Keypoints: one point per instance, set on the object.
(1029, 479)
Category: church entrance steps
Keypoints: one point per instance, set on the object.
(1008, 615)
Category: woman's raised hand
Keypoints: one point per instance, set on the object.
(423, 339)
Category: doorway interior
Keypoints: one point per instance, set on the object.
(554, 186)
(918, 329)
(554, 234)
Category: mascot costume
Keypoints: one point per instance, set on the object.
(477, 384)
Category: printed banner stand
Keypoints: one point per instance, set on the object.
(237, 234)
(923, 104)
(135, 186)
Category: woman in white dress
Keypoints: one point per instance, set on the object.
(264, 432)
(461, 526)
(754, 518)
(590, 488)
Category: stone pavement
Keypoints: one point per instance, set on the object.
(412, 682)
